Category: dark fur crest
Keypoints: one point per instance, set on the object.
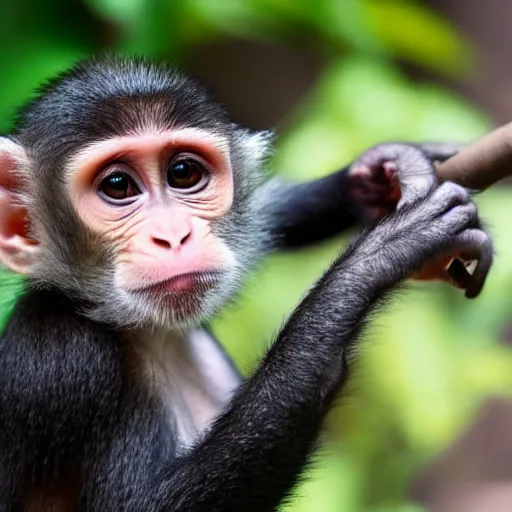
(99, 99)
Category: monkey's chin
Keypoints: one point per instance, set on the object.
(179, 305)
(183, 301)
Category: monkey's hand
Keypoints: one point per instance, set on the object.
(430, 229)
(390, 175)
(377, 177)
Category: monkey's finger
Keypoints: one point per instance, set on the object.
(370, 191)
(458, 274)
(440, 151)
(474, 244)
(416, 175)
(374, 178)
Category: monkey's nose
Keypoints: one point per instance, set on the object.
(164, 244)
(172, 241)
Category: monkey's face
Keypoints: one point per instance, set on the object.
(153, 200)
(128, 187)
(140, 237)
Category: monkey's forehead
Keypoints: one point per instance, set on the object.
(97, 100)
(153, 143)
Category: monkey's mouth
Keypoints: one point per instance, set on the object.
(184, 285)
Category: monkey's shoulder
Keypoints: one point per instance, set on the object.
(48, 350)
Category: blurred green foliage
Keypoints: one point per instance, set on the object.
(433, 356)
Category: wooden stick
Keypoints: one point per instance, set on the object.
(482, 163)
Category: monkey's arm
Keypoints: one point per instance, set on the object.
(256, 450)
(254, 453)
(305, 213)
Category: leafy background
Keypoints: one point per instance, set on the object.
(433, 357)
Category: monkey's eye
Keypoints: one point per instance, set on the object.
(119, 186)
(185, 173)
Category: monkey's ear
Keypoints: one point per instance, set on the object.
(17, 250)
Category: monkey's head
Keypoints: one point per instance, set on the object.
(126, 185)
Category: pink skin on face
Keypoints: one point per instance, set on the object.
(161, 236)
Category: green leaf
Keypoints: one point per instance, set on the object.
(146, 27)
(27, 67)
(334, 485)
(413, 32)
(246, 18)
(360, 102)
(11, 286)
(346, 22)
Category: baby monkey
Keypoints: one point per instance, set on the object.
(136, 207)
